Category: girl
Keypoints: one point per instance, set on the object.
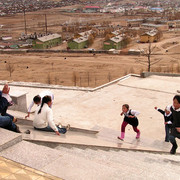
(168, 119)
(129, 118)
(43, 119)
(175, 131)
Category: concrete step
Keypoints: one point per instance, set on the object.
(29, 122)
(59, 164)
(106, 139)
(8, 138)
(129, 161)
(75, 163)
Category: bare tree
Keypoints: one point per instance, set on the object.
(49, 78)
(107, 37)
(95, 81)
(109, 76)
(74, 78)
(88, 78)
(148, 53)
(10, 67)
(90, 39)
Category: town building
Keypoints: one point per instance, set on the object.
(173, 24)
(86, 33)
(91, 9)
(134, 22)
(116, 42)
(78, 43)
(150, 36)
(159, 27)
(47, 41)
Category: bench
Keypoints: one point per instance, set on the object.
(19, 100)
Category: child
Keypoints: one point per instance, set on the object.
(168, 119)
(175, 130)
(37, 100)
(129, 118)
(43, 119)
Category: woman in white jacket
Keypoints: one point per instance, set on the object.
(43, 119)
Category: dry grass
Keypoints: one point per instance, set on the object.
(76, 69)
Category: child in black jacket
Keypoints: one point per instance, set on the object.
(168, 120)
(175, 130)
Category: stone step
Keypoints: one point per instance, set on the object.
(127, 161)
(29, 122)
(105, 140)
(8, 138)
(91, 164)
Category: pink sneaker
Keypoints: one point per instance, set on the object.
(138, 135)
(122, 136)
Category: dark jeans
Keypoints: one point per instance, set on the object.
(6, 123)
(49, 129)
(167, 129)
(12, 117)
(172, 139)
(173, 135)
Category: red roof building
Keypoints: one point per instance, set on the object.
(92, 7)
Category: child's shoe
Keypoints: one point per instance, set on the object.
(68, 127)
(138, 135)
(122, 136)
(14, 120)
(59, 125)
(173, 149)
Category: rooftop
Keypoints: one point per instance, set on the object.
(116, 39)
(49, 37)
(86, 33)
(80, 39)
(151, 33)
(152, 25)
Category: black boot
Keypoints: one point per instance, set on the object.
(17, 129)
(173, 149)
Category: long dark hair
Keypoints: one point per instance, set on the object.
(45, 99)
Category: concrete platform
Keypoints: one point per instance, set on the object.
(81, 155)
(8, 138)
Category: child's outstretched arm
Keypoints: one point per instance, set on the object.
(160, 110)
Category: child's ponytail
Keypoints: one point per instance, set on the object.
(45, 99)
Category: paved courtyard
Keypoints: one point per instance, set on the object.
(83, 154)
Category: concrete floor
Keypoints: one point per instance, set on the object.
(100, 110)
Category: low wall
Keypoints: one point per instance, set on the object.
(51, 86)
(147, 74)
(13, 51)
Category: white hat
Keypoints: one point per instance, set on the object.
(168, 108)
